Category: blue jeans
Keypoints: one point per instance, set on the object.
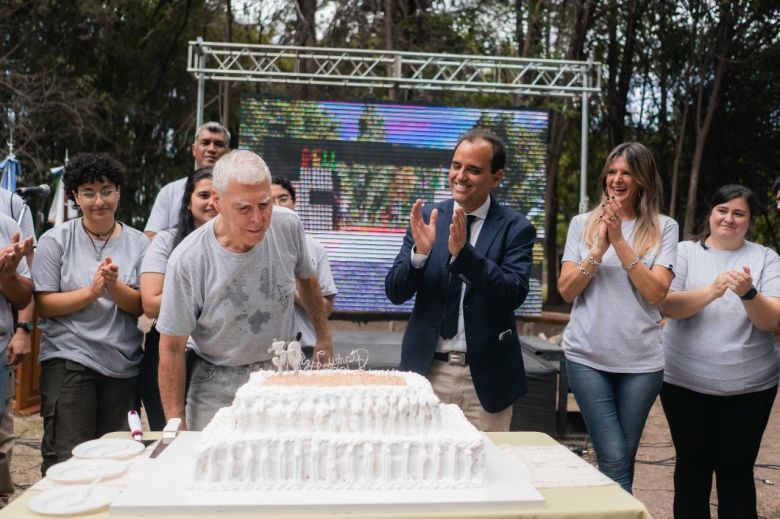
(615, 407)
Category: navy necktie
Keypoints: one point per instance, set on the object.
(449, 325)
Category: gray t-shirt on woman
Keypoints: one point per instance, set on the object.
(234, 305)
(156, 258)
(100, 336)
(612, 327)
(7, 229)
(718, 351)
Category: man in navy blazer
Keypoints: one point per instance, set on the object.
(468, 279)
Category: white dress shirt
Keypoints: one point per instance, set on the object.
(458, 342)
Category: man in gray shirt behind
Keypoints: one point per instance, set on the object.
(231, 286)
(212, 140)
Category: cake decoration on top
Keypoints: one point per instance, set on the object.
(290, 357)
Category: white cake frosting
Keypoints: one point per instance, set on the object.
(332, 429)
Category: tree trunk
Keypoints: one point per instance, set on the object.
(305, 36)
(581, 21)
(559, 127)
(620, 63)
(678, 149)
(702, 130)
(701, 139)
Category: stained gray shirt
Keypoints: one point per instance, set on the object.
(234, 305)
(612, 327)
(12, 206)
(165, 211)
(7, 229)
(718, 351)
(321, 264)
(100, 336)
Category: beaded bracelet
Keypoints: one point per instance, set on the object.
(585, 272)
(592, 261)
(631, 265)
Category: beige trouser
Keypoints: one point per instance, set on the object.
(453, 385)
(7, 442)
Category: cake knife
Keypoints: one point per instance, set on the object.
(168, 435)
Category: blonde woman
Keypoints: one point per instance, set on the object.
(617, 267)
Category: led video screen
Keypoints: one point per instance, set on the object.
(358, 168)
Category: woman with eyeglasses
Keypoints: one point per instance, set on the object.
(86, 290)
(197, 208)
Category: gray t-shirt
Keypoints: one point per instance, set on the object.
(319, 258)
(7, 229)
(718, 351)
(235, 305)
(156, 259)
(12, 206)
(100, 336)
(165, 211)
(612, 327)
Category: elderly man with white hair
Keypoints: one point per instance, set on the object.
(231, 286)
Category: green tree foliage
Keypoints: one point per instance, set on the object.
(696, 81)
(94, 76)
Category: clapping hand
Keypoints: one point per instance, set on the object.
(457, 239)
(11, 255)
(612, 219)
(104, 278)
(721, 284)
(601, 244)
(739, 282)
(424, 234)
(109, 272)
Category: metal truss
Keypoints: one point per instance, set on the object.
(391, 69)
(401, 70)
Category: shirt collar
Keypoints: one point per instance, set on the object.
(480, 212)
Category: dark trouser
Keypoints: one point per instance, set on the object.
(7, 438)
(720, 434)
(79, 404)
(150, 389)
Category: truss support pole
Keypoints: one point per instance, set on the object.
(584, 143)
(201, 60)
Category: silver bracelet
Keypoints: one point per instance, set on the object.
(584, 271)
(592, 261)
(633, 264)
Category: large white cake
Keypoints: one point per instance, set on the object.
(338, 429)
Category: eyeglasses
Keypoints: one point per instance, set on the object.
(90, 196)
(282, 199)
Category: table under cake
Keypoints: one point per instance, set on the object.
(603, 502)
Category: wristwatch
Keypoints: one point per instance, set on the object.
(750, 294)
(25, 325)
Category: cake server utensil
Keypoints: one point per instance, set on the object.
(168, 435)
(134, 421)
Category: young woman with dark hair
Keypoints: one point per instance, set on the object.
(197, 207)
(722, 368)
(86, 290)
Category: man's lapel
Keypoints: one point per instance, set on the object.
(490, 228)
